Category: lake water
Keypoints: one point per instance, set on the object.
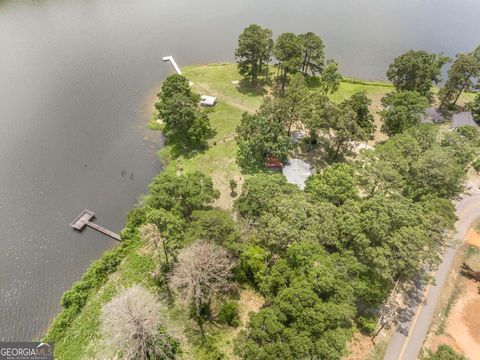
(75, 80)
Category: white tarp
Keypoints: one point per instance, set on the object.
(297, 171)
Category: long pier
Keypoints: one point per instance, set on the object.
(174, 64)
(83, 220)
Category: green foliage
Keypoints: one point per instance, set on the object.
(97, 273)
(288, 51)
(444, 352)
(185, 124)
(416, 71)
(404, 109)
(359, 103)
(330, 77)
(252, 265)
(214, 225)
(293, 219)
(311, 309)
(474, 107)
(336, 184)
(313, 53)
(181, 194)
(258, 137)
(318, 111)
(436, 172)
(258, 192)
(228, 313)
(461, 77)
(254, 51)
(367, 324)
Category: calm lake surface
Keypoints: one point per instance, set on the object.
(75, 79)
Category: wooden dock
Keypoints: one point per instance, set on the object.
(174, 64)
(83, 220)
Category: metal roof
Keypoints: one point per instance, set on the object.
(463, 118)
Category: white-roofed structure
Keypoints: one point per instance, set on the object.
(206, 100)
(297, 171)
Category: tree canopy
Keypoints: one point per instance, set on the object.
(289, 53)
(416, 71)
(403, 110)
(254, 51)
(259, 136)
(313, 53)
(185, 124)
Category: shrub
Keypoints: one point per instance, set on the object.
(228, 314)
(366, 324)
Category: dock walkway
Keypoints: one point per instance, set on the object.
(83, 220)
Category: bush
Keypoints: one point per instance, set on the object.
(252, 265)
(228, 314)
(366, 325)
(476, 165)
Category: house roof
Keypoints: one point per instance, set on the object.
(463, 118)
(432, 115)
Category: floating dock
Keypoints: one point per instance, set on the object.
(84, 219)
(174, 64)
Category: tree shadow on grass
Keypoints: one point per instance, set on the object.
(258, 89)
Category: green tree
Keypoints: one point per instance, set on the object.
(359, 103)
(311, 309)
(259, 136)
(336, 184)
(258, 194)
(436, 172)
(294, 219)
(474, 107)
(313, 53)
(404, 109)
(330, 77)
(287, 109)
(213, 225)
(461, 75)
(181, 194)
(345, 130)
(254, 51)
(288, 52)
(318, 111)
(416, 71)
(171, 228)
(185, 124)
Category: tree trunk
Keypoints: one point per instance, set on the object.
(165, 251)
(460, 93)
(444, 99)
(463, 87)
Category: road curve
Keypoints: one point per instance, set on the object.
(402, 347)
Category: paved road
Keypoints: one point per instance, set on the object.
(407, 347)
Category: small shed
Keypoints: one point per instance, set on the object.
(297, 171)
(206, 100)
(463, 118)
(273, 163)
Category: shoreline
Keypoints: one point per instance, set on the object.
(216, 162)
